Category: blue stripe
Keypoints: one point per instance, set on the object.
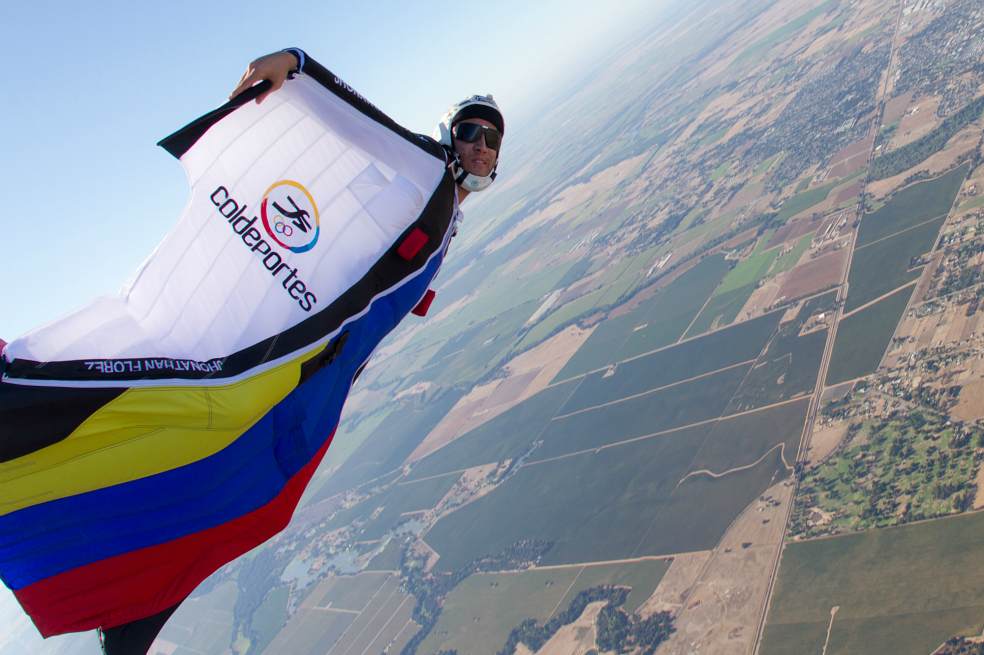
(50, 538)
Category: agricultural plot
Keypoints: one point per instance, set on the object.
(655, 323)
(663, 320)
(481, 611)
(785, 262)
(506, 436)
(745, 439)
(485, 607)
(204, 623)
(624, 501)
(884, 265)
(689, 359)
(863, 337)
(912, 205)
(679, 405)
(388, 559)
(898, 590)
(382, 512)
(347, 615)
(269, 617)
(806, 199)
(789, 368)
(390, 443)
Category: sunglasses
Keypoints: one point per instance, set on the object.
(472, 132)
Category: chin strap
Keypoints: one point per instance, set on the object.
(468, 181)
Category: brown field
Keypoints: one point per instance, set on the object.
(824, 440)
(971, 406)
(576, 638)
(815, 275)
(961, 144)
(762, 298)
(895, 108)
(919, 119)
(846, 167)
(721, 610)
(528, 374)
(847, 193)
(794, 230)
(862, 147)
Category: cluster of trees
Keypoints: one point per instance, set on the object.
(430, 589)
(257, 575)
(904, 158)
(535, 635)
(961, 646)
(622, 632)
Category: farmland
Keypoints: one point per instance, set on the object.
(682, 404)
(634, 494)
(506, 436)
(688, 359)
(482, 610)
(911, 206)
(899, 590)
(656, 322)
(863, 337)
(885, 265)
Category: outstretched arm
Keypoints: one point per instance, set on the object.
(274, 67)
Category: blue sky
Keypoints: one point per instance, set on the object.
(91, 87)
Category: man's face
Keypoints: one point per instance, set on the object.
(476, 158)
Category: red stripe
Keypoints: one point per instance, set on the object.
(143, 582)
(425, 303)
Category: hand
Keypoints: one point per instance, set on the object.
(273, 67)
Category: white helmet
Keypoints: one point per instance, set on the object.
(473, 107)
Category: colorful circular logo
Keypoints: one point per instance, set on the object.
(290, 216)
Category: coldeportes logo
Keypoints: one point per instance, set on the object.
(246, 227)
(290, 216)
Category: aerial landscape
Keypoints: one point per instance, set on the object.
(708, 378)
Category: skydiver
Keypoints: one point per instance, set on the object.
(471, 130)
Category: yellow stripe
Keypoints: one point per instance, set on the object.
(145, 431)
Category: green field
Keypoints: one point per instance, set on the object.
(618, 502)
(485, 607)
(672, 407)
(785, 262)
(806, 199)
(744, 439)
(506, 436)
(883, 266)
(667, 315)
(735, 289)
(204, 623)
(789, 368)
(913, 205)
(269, 617)
(393, 441)
(691, 358)
(388, 559)
(721, 310)
(863, 337)
(347, 614)
(758, 50)
(657, 322)
(900, 591)
(480, 612)
(388, 506)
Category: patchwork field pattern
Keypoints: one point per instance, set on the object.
(899, 590)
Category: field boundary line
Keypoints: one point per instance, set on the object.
(879, 299)
(662, 432)
(908, 229)
(564, 595)
(653, 390)
(385, 625)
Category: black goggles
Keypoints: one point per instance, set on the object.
(472, 132)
